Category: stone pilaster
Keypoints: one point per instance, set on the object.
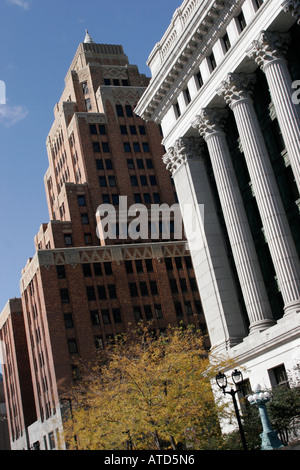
(225, 323)
(236, 90)
(210, 125)
(269, 53)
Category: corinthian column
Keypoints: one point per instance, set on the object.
(292, 7)
(236, 90)
(186, 161)
(210, 125)
(269, 53)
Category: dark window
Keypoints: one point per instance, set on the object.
(242, 21)
(149, 163)
(115, 199)
(107, 81)
(81, 200)
(177, 110)
(178, 309)
(85, 88)
(139, 265)
(173, 285)
(123, 130)
(188, 308)
(108, 164)
(96, 147)
(199, 80)
(98, 342)
(129, 111)
(105, 147)
(148, 312)
(137, 313)
(117, 315)
(142, 130)
(149, 265)
(105, 316)
(97, 269)
(61, 272)
(119, 110)
(258, 3)
(87, 272)
(99, 164)
(95, 317)
(101, 292)
(140, 163)
(88, 105)
(127, 147)
(128, 267)
(212, 61)
(93, 129)
(112, 291)
(158, 311)
(193, 284)
(137, 198)
(88, 239)
(102, 181)
(64, 295)
(143, 179)
(146, 147)
(68, 239)
(108, 268)
(183, 285)
(153, 181)
(73, 349)
(112, 181)
(136, 147)
(85, 219)
(90, 292)
(130, 164)
(133, 180)
(144, 288)
(187, 96)
(133, 289)
(178, 262)
(68, 318)
(153, 287)
(226, 42)
(132, 130)
(102, 129)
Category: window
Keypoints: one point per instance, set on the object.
(88, 105)
(112, 181)
(85, 88)
(139, 265)
(68, 318)
(90, 292)
(226, 42)
(85, 219)
(177, 110)
(88, 238)
(178, 309)
(93, 129)
(158, 311)
(149, 265)
(188, 308)
(258, 4)
(117, 315)
(156, 198)
(146, 147)
(105, 316)
(96, 147)
(86, 268)
(115, 199)
(153, 287)
(108, 268)
(95, 317)
(173, 285)
(142, 130)
(102, 181)
(101, 292)
(153, 180)
(187, 96)
(107, 81)
(105, 147)
(148, 312)
(133, 289)
(127, 147)
(72, 344)
(140, 163)
(112, 291)
(128, 109)
(130, 164)
(99, 164)
(199, 80)
(116, 82)
(61, 272)
(133, 180)
(64, 295)
(102, 129)
(68, 239)
(137, 313)
(119, 110)
(123, 130)
(149, 163)
(241, 21)
(137, 198)
(278, 376)
(136, 147)
(144, 288)
(212, 62)
(178, 262)
(143, 180)
(81, 200)
(128, 267)
(98, 342)
(132, 130)
(183, 285)
(97, 269)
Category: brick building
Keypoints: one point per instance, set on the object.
(79, 289)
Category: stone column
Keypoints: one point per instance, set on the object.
(268, 51)
(236, 90)
(292, 7)
(210, 125)
(224, 319)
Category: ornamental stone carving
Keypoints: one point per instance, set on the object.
(270, 46)
(236, 87)
(292, 7)
(210, 121)
(185, 148)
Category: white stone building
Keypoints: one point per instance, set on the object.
(224, 89)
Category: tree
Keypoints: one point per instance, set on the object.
(149, 392)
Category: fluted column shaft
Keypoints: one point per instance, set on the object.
(225, 322)
(209, 123)
(268, 52)
(235, 90)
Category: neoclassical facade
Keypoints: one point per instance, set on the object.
(224, 89)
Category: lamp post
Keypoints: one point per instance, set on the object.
(269, 437)
(237, 378)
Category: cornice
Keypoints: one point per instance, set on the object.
(198, 35)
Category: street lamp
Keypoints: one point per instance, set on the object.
(269, 437)
(237, 378)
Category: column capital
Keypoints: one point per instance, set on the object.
(210, 121)
(236, 87)
(268, 47)
(185, 148)
(292, 7)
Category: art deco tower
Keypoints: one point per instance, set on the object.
(78, 291)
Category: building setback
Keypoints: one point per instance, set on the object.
(82, 287)
(224, 89)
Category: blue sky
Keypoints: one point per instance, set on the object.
(38, 40)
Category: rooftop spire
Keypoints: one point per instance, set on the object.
(88, 39)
